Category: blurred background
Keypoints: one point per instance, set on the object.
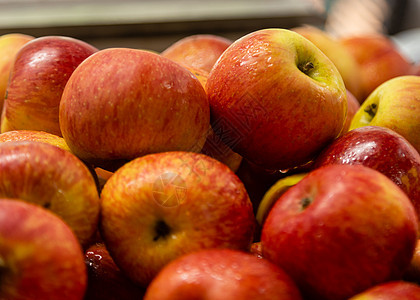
(155, 24)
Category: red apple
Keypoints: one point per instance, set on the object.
(40, 256)
(40, 71)
(35, 136)
(341, 230)
(339, 55)
(381, 149)
(120, 104)
(9, 46)
(379, 60)
(276, 99)
(160, 206)
(199, 51)
(393, 290)
(53, 178)
(222, 274)
(105, 279)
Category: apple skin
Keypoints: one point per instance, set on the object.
(40, 71)
(9, 46)
(35, 136)
(339, 55)
(40, 255)
(381, 149)
(113, 111)
(199, 51)
(353, 106)
(105, 279)
(379, 60)
(160, 206)
(341, 230)
(393, 290)
(395, 104)
(53, 178)
(265, 106)
(222, 274)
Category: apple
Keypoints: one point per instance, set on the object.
(341, 230)
(379, 59)
(199, 51)
(123, 103)
(276, 99)
(393, 290)
(105, 279)
(381, 149)
(34, 135)
(9, 46)
(338, 54)
(394, 104)
(53, 178)
(222, 274)
(160, 206)
(40, 255)
(413, 272)
(40, 71)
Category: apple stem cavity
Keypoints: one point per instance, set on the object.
(371, 109)
(161, 229)
(306, 67)
(304, 203)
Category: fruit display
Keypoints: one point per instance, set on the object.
(283, 164)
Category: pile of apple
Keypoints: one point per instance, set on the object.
(282, 165)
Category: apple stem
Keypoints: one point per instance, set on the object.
(306, 67)
(371, 109)
(161, 229)
(305, 202)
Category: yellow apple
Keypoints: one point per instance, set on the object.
(10, 44)
(395, 104)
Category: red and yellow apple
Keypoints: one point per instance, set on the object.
(53, 178)
(40, 256)
(40, 71)
(276, 99)
(215, 274)
(123, 103)
(160, 206)
(339, 55)
(395, 104)
(340, 230)
(10, 44)
(393, 290)
(35, 136)
(378, 58)
(199, 51)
